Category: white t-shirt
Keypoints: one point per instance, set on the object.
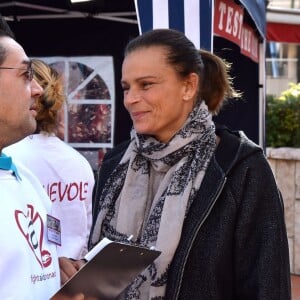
(68, 180)
(29, 264)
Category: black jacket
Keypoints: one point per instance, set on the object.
(234, 242)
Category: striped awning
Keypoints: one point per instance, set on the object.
(193, 17)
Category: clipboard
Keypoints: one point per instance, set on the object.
(110, 268)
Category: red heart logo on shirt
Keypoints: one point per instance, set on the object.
(32, 228)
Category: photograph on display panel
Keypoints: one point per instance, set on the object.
(86, 122)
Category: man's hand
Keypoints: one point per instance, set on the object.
(76, 297)
(64, 297)
(68, 268)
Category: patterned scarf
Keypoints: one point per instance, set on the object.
(125, 197)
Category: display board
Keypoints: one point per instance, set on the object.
(87, 120)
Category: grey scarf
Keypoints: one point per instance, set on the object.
(127, 209)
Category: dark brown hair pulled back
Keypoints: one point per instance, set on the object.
(215, 84)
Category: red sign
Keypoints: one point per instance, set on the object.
(283, 33)
(249, 43)
(229, 24)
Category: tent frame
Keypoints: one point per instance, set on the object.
(55, 13)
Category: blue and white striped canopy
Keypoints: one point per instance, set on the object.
(193, 17)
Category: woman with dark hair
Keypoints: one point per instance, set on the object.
(201, 194)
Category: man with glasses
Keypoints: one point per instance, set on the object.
(28, 71)
(29, 264)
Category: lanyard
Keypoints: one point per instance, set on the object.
(6, 163)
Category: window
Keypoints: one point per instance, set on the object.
(86, 122)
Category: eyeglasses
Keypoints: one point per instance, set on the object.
(29, 71)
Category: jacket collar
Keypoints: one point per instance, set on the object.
(210, 189)
(229, 152)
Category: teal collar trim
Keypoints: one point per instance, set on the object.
(6, 163)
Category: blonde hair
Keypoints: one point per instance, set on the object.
(49, 104)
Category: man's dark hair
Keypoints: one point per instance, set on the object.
(4, 31)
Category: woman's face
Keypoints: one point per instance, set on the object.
(156, 97)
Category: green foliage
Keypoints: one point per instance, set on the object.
(283, 118)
